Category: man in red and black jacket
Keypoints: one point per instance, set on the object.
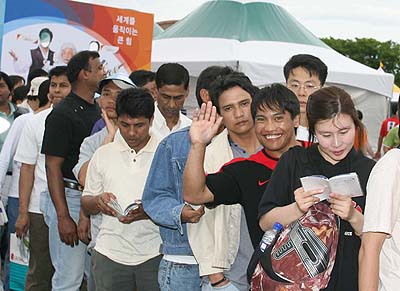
(275, 110)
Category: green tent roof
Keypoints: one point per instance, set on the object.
(157, 30)
(257, 21)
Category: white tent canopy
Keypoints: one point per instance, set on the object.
(263, 61)
(263, 38)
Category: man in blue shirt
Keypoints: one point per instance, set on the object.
(163, 202)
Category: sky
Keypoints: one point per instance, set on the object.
(346, 19)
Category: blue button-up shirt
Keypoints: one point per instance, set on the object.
(162, 196)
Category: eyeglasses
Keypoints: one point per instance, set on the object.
(308, 87)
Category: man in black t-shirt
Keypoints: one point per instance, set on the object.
(66, 127)
(275, 110)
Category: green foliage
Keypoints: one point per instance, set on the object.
(370, 52)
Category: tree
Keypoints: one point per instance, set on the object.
(370, 52)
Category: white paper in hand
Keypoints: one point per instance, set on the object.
(123, 212)
(346, 184)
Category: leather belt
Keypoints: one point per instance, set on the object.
(73, 185)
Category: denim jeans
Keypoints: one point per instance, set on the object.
(12, 213)
(174, 276)
(68, 262)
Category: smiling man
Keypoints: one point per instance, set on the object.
(276, 114)
(172, 82)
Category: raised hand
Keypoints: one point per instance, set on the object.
(13, 55)
(111, 127)
(205, 124)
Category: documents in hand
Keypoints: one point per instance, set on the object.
(346, 184)
(118, 209)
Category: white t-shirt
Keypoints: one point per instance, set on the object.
(382, 214)
(118, 169)
(7, 155)
(28, 152)
(160, 130)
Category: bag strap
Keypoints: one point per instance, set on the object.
(266, 263)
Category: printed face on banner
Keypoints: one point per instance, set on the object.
(123, 37)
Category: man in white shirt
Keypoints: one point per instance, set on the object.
(380, 248)
(126, 255)
(33, 182)
(172, 82)
(40, 89)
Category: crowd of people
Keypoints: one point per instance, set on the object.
(117, 189)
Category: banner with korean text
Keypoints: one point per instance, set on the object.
(45, 33)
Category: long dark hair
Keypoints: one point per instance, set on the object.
(327, 103)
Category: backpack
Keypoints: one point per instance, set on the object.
(303, 255)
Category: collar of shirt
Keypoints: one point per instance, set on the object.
(9, 117)
(122, 146)
(159, 121)
(45, 55)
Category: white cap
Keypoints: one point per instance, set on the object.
(35, 84)
(119, 79)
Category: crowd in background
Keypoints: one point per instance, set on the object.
(117, 189)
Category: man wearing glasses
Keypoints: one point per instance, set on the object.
(304, 75)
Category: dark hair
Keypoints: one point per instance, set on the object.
(142, 77)
(58, 71)
(328, 103)
(34, 74)
(135, 102)
(46, 30)
(15, 79)
(310, 63)
(172, 74)
(223, 83)
(394, 106)
(6, 79)
(207, 76)
(20, 94)
(360, 115)
(276, 97)
(43, 92)
(78, 62)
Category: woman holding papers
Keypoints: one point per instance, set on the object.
(333, 120)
